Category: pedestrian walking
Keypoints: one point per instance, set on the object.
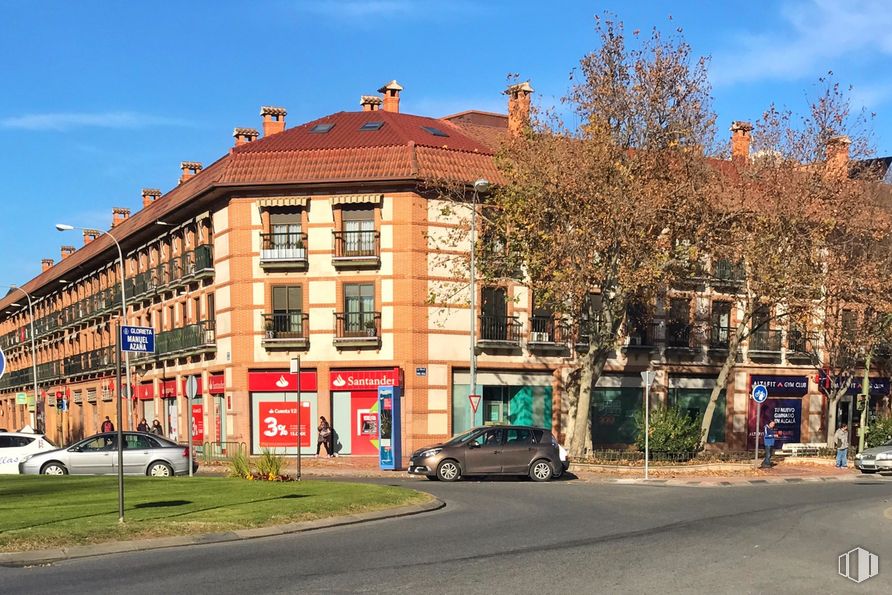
(142, 426)
(324, 436)
(841, 440)
(107, 425)
(768, 441)
(156, 428)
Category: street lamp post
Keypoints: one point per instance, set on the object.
(33, 352)
(647, 376)
(65, 227)
(480, 185)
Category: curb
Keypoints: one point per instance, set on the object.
(693, 482)
(32, 558)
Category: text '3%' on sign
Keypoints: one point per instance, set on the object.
(138, 339)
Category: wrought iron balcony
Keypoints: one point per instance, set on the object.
(357, 248)
(285, 330)
(765, 341)
(679, 335)
(719, 336)
(18, 378)
(724, 272)
(283, 250)
(642, 335)
(499, 332)
(192, 338)
(90, 362)
(548, 333)
(357, 329)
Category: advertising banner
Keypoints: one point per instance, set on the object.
(217, 384)
(278, 424)
(781, 385)
(787, 415)
(198, 423)
(343, 380)
(276, 382)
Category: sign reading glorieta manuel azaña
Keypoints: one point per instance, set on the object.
(139, 339)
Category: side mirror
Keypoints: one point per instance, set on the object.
(74, 449)
(474, 444)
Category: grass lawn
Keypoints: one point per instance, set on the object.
(39, 512)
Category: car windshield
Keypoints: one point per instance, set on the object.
(462, 438)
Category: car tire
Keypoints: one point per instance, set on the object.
(432, 478)
(541, 470)
(53, 468)
(159, 469)
(449, 470)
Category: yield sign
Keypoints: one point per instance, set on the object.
(475, 402)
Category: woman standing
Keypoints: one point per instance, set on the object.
(143, 426)
(157, 429)
(324, 436)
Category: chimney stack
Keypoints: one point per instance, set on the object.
(273, 119)
(838, 154)
(190, 169)
(244, 135)
(149, 195)
(46, 264)
(518, 107)
(391, 96)
(90, 235)
(370, 103)
(119, 215)
(67, 251)
(741, 135)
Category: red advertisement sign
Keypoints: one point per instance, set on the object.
(145, 391)
(279, 382)
(169, 389)
(363, 379)
(216, 384)
(278, 424)
(198, 423)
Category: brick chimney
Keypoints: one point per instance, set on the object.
(190, 169)
(837, 152)
(119, 215)
(273, 120)
(46, 264)
(90, 235)
(741, 135)
(391, 96)
(67, 251)
(370, 103)
(518, 107)
(244, 135)
(149, 195)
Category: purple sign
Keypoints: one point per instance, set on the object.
(781, 385)
(787, 416)
(878, 386)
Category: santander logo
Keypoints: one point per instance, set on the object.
(282, 382)
(339, 381)
(363, 379)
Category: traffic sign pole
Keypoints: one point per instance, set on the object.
(758, 421)
(759, 394)
(191, 391)
(120, 416)
(295, 369)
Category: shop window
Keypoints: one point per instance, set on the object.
(694, 402)
(613, 415)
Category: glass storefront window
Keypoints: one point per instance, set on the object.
(694, 401)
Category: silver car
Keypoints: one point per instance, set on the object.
(878, 458)
(144, 454)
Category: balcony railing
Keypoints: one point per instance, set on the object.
(89, 362)
(499, 331)
(548, 331)
(49, 370)
(285, 327)
(192, 337)
(643, 335)
(357, 328)
(283, 249)
(678, 335)
(18, 378)
(765, 341)
(719, 336)
(357, 247)
(728, 273)
(194, 263)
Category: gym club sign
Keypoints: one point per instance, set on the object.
(344, 380)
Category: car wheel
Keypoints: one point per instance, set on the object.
(448, 470)
(160, 469)
(541, 470)
(54, 468)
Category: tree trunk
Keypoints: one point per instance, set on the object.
(592, 366)
(722, 381)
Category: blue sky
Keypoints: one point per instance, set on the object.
(103, 98)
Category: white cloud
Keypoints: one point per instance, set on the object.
(812, 33)
(67, 121)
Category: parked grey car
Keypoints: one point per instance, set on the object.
(144, 454)
(492, 450)
(878, 458)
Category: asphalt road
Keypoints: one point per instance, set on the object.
(522, 537)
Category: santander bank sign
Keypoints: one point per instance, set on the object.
(342, 380)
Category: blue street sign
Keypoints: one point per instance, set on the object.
(139, 339)
(760, 393)
(2, 363)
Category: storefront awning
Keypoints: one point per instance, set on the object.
(357, 199)
(283, 201)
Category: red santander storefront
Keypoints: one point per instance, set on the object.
(275, 417)
(354, 407)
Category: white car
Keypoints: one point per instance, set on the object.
(15, 446)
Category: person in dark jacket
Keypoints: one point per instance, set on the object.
(157, 429)
(143, 426)
(107, 425)
(768, 441)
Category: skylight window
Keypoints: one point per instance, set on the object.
(434, 131)
(321, 128)
(372, 126)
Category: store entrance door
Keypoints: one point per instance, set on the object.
(496, 405)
